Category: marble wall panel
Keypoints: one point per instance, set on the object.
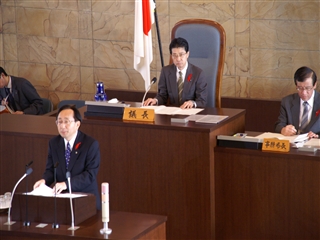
(84, 5)
(229, 66)
(280, 63)
(32, 21)
(8, 20)
(36, 74)
(242, 88)
(10, 47)
(266, 88)
(86, 52)
(52, 4)
(286, 10)
(87, 81)
(43, 22)
(242, 9)
(228, 86)
(1, 47)
(242, 33)
(49, 50)
(64, 78)
(7, 3)
(113, 54)
(107, 26)
(120, 7)
(242, 62)
(85, 25)
(11, 67)
(284, 34)
(112, 78)
(1, 22)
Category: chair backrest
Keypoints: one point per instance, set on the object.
(77, 103)
(207, 40)
(47, 105)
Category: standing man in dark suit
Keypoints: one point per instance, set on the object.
(300, 112)
(20, 95)
(192, 92)
(75, 152)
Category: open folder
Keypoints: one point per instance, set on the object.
(45, 191)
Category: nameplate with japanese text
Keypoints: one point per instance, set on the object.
(138, 114)
(275, 145)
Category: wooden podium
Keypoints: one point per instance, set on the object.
(41, 209)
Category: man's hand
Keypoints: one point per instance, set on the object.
(150, 101)
(38, 183)
(312, 135)
(289, 130)
(59, 187)
(187, 104)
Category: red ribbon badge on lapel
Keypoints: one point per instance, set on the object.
(189, 77)
(317, 113)
(77, 146)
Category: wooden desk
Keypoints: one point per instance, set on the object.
(266, 195)
(124, 226)
(158, 168)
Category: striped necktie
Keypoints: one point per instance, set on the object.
(180, 87)
(67, 155)
(304, 118)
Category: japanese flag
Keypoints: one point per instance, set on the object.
(143, 54)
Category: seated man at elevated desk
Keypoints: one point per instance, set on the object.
(181, 82)
(300, 112)
(19, 94)
(75, 152)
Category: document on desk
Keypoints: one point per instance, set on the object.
(173, 110)
(313, 143)
(45, 191)
(292, 139)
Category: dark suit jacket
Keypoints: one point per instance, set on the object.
(83, 166)
(290, 114)
(25, 96)
(194, 87)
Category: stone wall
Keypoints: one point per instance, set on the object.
(64, 46)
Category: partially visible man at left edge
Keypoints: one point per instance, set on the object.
(20, 95)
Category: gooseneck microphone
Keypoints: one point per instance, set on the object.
(28, 172)
(55, 224)
(27, 222)
(68, 175)
(153, 81)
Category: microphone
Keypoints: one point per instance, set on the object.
(105, 208)
(68, 175)
(26, 222)
(55, 224)
(153, 81)
(28, 171)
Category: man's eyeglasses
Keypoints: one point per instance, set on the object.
(301, 89)
(65, 122)
(179, 55)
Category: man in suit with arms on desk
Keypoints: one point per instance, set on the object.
(181, 82)
(300, 112)
(75, 152)
(20, 95)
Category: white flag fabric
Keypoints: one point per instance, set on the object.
(143, 54)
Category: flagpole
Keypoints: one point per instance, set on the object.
(158, 32)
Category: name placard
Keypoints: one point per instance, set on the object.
(138, 114)
(274, 144)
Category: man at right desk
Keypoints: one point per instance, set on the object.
(300, 112)
(182, 83)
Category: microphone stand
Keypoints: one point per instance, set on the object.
(29, 170)
(71, 206)
(145, 94)
(55, 224)
(26, 222)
